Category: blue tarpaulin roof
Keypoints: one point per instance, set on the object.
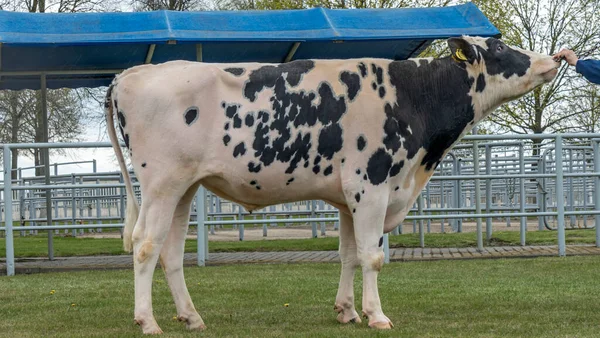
(86, 49)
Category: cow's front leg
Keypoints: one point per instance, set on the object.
(368, 226)
(344, 301)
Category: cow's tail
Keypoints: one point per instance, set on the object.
(132, 212)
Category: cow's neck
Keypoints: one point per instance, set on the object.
(432, 98)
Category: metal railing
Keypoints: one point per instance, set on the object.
(453, 194)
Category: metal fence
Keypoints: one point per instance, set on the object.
(521, 180)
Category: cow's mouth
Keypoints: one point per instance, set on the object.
(550, 74)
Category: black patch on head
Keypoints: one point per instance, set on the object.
(357, 197)
(235, 71)
(289, 181)
(381, 92)
(226, 125)
(267, 76)
(361, 142)
(380, 241)
(252, 182)
(239, 150)
(480, 83)
(363, 69)
(357, 171)
(328, 170)
(121, 118)
(505, 61)
(352, 82)
(237, 121)
(144, 165)
(379, 166)
(191, 115)
(395, 169)
(316, 169)
(254, 168)
(436, 122)
(226, 139)
(249, 120)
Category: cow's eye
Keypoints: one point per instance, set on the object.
(500, 48)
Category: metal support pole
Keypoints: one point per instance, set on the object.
(386, 248)
(420, 210)
(8, 217)
(46, 156)
(201, 234)
(571, 198)
(541, 196)
(477, 193)
(488, 192)
(560, 197)
(312, 215)
(522, 197)
(597, 189)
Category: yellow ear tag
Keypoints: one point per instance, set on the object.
(459, 55)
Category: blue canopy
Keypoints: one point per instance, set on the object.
(87, 49)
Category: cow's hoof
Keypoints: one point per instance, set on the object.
(346, 316)
(149, 327)
(193, 324)
(381, 325)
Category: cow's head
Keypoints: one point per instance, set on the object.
(502, 73)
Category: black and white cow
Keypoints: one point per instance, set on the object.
(364, 135)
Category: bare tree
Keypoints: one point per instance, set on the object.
(544, 27)
(173, 5)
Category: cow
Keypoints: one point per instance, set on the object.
(364, 135)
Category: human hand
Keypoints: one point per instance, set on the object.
(566, 54)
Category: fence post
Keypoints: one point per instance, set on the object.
(522, 196)
(200, 233)
(560, 197)
(477, 193)
(420, 211)
(597, 189)
(386, 248)
(313, 215)
(8, 217)
(488, 192)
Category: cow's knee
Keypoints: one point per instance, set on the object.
(372, 260)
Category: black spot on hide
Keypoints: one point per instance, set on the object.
(226, 139)
(352, 82)
(239, 150)
(361, 143)
(379, 166)
(235, 71)
(328, 170)
(191, 115)
(480, 83)
(357, 197)
(363, 69)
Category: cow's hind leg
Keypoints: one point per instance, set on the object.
(344, 301)
(171, 260)
(149, 234)
(368, 226)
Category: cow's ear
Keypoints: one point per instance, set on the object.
(461, 50)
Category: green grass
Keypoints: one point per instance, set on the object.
(542, 297)
(36, 246)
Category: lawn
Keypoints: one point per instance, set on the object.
(542, 297)
(36, 246)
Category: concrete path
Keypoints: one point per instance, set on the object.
(37, 265)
